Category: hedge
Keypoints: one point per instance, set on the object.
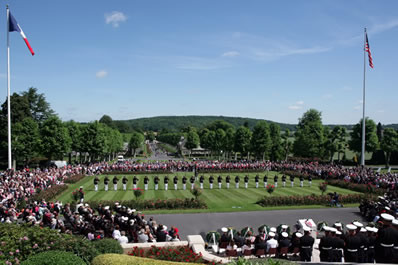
(75, 178)
(178, 254)
(54, 258)
(364, 188)
(130, 172)
(156, 204)
(108, 245)
(310, 200)
(116, 259)
(50, 193)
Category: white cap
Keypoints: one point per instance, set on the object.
(362, 230)
(375, 229)
(338, 233)
(118, 206)
(284, 226)
(271, 234)
(306, 228)
(298, 234)
(224, 229)
(133, 210)
(284, 234)
(387, 217)
(106, 207)
(369, 229)
(81, 187)
(164, 228)
(351, 227)
(395, 222)
(338, 225)
(387, 208)
(116, 203)
(333, 230)
(357, 224)
(272, 229)
(326, 228)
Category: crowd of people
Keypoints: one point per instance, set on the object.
(376, 242)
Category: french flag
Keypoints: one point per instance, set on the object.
(14, 26)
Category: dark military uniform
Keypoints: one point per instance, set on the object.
(352, 244)
(284, 180)
(192, 180)
(292, 181)
(301, 181)
(227, 180)
(386, 239)
(219, 180)
(211, 180)
(309, 180)
(246, 181)
(276, 181)
(256, 180)
(135, 180)
(265, 179)
(306, 244)
(337, 249)
(106, 182)
(96, 181)
(166, 182)
(325, 248)
(201, 180)
(156, 181)
(184, 182)
(371, 248)
(175, 181)
(115, 181)
(124, 182)
(237, 179)
(146, 181)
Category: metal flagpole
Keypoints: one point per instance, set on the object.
(8, 90)
(363, 103)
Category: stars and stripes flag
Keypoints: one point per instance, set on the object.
(14, 26)
(367, 49)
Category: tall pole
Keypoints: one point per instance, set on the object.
(363, 103)
(8, 91)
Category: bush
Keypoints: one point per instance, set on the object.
(75, 178)
(364, 188)
(269, 261)
(50, 193)
(54, 258)
(108, 245)
(179, 254)
(19, 242)
(116, 259)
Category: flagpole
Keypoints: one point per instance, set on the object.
(363, 103)
(8, 90)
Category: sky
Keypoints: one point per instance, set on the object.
(261, 59)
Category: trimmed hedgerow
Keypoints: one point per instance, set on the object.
(54, 258)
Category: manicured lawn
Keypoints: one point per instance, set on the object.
(218, 200)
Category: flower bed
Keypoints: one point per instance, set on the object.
(75, 178)
(50, 193)
(156, 204)
(310, 200)
(364, 188)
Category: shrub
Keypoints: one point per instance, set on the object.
(179, 254)
(196, 192)
(270, 189)
(49, 193)
(269, 261)
(364, 188)
(116, 259)
(75, 178)
(137, 193)
(323, 187)
(108, 245)
(54, 258)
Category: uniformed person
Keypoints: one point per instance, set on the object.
(284, 180)
(265, 181)
(192, 180)
(387, 237)
(175, 181)
(309, 181)
(352, 244)
(246, 179)
(106, 182)
(256, 180)
(115, 181)
(227, 180)
(96, 181)
(166, 182)
(124, 181)
(325, 246)
(135, 180)
(146, 181)
(211, 180)
(371, 243)
(301, 181)
(156, 181)
(276, 181)
(337, 246)
(219, 180)
(292, 181)
(184, 182)
(201, 180)
(237, 179)
(306, 245)
(362, 251)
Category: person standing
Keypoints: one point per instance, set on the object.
(156, 181)
(325, 246)
(106, 182)
(276, 181)
(184, 182)
(237, 179)
(352, 244)
(115, 180)
(292, 180)
(309, 181)
(166, 182)
(246, 179)
(387, 237)
(284, 180)
(227, 181)
(211, 180)
(135, 180)
(301, 181)
(201, 179)
(265, 179)
(219, 180)
(256, 179)
(192, 180)
(175, 181)
(306, 245)
(124, 181)
(146, 181)
(96, 181)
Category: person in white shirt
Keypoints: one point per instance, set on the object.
(271, 242)
(123, 238)
(116, 233)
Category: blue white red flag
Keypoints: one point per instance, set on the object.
(14, 26)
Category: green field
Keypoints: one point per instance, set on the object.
(218, 200)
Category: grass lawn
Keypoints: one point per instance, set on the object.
(217, 200)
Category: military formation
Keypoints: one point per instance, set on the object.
(222, 182)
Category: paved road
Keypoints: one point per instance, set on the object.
(202, 223)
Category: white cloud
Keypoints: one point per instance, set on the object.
(380, 27)
(295, 107)
(115, 18)
(101, 74)
(230, 54)
(300, 102)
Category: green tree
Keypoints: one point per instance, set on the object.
(136, 141)
(94, 140)
(107, 120)
(229, 141)
(286, 144)
(276, 147)
(219, 144)
(242, 140)
(309, 137)
(39, 107)
(75, 133)
(389, 143)
(261, 140)
(55, 138)
(219, 125)
(371, 141)
(25, 140)
(335, 141)
(150, 136)
(192, 141)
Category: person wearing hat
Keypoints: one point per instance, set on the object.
(337, 246)
(184, 182)
(81, 194)
(271, 242)
(161, 233)
(306, 245)
(352, 244)
(106, 182)
(237, 179)
(219, 180)
(175, 181)
(309, 180)
(363, 247)
(166, 182)
(387, 237)
(325, 246)
(114, 181)
(283, 180)
(295, 241)
(301, 181)
(224, 239)
(276, 181)
(124, 182)
(146, 181)
(96, 181)
(292, 181)
(201, 180)
(371, 243)
(265, 179)
(284, 241)
(227, 181)
(211, 180)
(246, 179)
(256, 180)
(135, 180)
(156, 181)
(192, 180)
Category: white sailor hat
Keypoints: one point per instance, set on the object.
(338, 233)
(86, 205)
(357, 224)
(395, 222)
(164, 228)
(118, 206)
(116, 203)
(298, 234)
(326, 228)
(306, 228)
(106, 207)
(129, 211)
(362, 230)
(81, 187)
(375, 229)
(387, 208)
(284, 234)
(381, 198)
(224, 229)
(284, 226)
(387, 217)
(351, 227)
(133, 210)
(338, 224)
(271, 234)
(272, 229)
(333, 230)
(369, 229)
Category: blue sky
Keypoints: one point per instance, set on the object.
(261, 59)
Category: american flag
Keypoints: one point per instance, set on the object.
(367, 49)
